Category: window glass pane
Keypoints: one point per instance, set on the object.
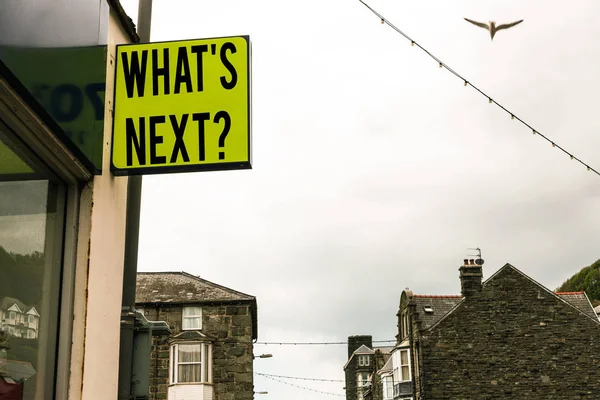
(192, 311)
(405, 374)
(31, 232)
(189, 353)
(191, 323)
(403, 357)
(189, 373)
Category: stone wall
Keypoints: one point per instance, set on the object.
(354, 342)
(232, 354)
(512, 340)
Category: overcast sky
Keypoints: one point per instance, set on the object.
(374, 170)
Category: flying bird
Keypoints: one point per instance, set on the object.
(492, 27)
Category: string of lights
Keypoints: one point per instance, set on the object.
(298, 378)
(468, 83)
(304, 388)
(316, 343)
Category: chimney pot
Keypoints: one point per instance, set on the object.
(466, 262)
(472, 261)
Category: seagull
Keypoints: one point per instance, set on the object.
(492, 26)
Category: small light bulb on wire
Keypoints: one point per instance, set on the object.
(572, 157)
(441, 65)
(466, 83)
(382, 21)
(412, 42)
(553, 144)
(588, 168)
(512, 116)
(533, 131)
(490, 99)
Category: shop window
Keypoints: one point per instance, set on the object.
(32, 215)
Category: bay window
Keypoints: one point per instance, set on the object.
(191, 363)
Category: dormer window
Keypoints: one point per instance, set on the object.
(191, 318)
(364, 360)
(428, 309)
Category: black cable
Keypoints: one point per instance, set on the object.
(304, 379)
(318, 343)
(466, 82)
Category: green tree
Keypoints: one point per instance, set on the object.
(588, 279)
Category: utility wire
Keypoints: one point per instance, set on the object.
(468, 83)
(317, 343)
(304, 388)
(303, 379)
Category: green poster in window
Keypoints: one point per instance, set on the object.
(70, 84)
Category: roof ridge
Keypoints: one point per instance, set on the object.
(437, 296)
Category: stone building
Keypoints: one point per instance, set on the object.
(363, 361)
(209, 354)
(506, 338)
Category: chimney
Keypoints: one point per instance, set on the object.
(471, 273)
(354, 342)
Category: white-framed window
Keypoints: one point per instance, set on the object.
(404, 366)
(388, 387)
(192, 318)
(30, 318)
(12, 315)
(404, 324)
(401, 366)
(191, 363)
(362, 380)
(364, 360)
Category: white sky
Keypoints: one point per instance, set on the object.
(374, 170)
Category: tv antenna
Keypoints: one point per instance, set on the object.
(479, 260)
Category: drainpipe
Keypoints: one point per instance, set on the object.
(132, 229)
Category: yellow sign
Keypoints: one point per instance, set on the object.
(182, 106)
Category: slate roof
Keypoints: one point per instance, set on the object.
(387, 367)
(191, 335)
(181, 287)
(385, 349)
(441, 305)
(580, 301)
(8, 302)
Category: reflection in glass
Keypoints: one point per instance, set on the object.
(31, 230)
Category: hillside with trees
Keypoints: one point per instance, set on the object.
(588, 279)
